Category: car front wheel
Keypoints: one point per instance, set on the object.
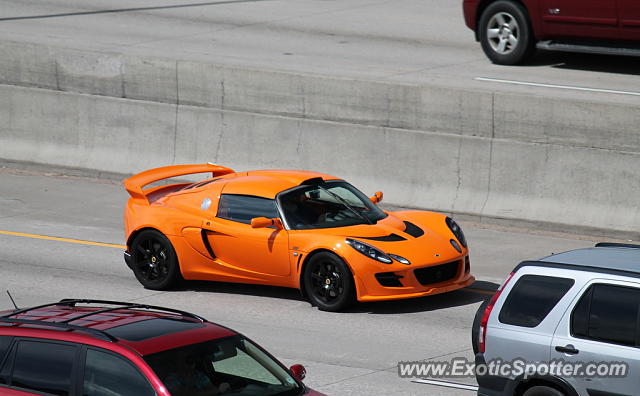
(155, 263)
(328, 282)
(505, 33)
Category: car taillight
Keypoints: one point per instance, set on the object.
(482, 334)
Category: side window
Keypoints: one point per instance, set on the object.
(44, 367)
(108, 375)
(5, 342)
(243, 208)
(607, 313)
(532, 298)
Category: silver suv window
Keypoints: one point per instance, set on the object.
(532, 298)
(607, 313)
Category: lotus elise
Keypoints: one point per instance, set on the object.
(297, 229)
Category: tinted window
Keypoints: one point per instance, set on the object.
(243, 208)
(607, 313)
(532, 298)
(4, 347)
(44, 367)
(5, 367)
(108, 375)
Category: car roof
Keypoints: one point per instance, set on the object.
(268, 183)
(604, 257)
(145, 330)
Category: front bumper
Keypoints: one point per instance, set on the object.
(370, 288)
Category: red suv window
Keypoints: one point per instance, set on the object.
(44, 367)
(106, 374)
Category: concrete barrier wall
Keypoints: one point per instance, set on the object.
(490, 154)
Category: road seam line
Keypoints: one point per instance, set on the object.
(59, 239)
(569, 87)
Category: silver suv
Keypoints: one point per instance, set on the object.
(579, 309)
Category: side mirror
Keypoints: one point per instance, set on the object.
(298, 371)
(263, 222)
(377, 197)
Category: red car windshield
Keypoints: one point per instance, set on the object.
(327, 205)
(226, 366)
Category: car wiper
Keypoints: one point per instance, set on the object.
(346, 204)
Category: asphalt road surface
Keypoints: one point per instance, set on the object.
(350, 353)
(414, 41)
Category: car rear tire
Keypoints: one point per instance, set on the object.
(542, 391)
(505, 33)
(328, 282)
(155, 263)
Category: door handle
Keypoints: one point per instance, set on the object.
(569, 349)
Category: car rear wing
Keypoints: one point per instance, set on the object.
(134, 185)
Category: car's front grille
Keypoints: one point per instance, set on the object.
(437, 273)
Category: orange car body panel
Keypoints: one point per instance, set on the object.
(217, 249)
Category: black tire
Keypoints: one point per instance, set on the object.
(541, 390)
(510, 41)
(328, 282)
(155, 263)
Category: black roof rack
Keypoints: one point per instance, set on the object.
(60, 325)
(613, 244)
(71, 302)
(121, 305)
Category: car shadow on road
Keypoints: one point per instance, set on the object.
(240, 288)
(587, 62)
(478, 292)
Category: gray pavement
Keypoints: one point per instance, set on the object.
(352, 353)
(393, 40)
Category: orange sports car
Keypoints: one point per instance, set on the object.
(298, 229)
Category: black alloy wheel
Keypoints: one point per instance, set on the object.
(155, 263)
(328, 282)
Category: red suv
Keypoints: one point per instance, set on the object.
(106, 348)
(510, 30)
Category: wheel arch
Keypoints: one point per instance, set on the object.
(308, 257)
(135, 233)
(557, 383)
(486, 3)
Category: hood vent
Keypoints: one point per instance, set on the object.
(386, 238)
(413, 230)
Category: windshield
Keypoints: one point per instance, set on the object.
(326, 205)
(227, 366)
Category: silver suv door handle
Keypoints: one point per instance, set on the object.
(570, 349)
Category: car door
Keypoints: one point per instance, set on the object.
(258, 253)
(36, 366)
(629, 19)
(602, 326)
(580, 19)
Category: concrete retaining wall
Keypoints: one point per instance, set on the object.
(491, 154)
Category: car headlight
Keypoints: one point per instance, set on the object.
(369, 251)
(457, 231)
(456, 245)
(399, 259)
